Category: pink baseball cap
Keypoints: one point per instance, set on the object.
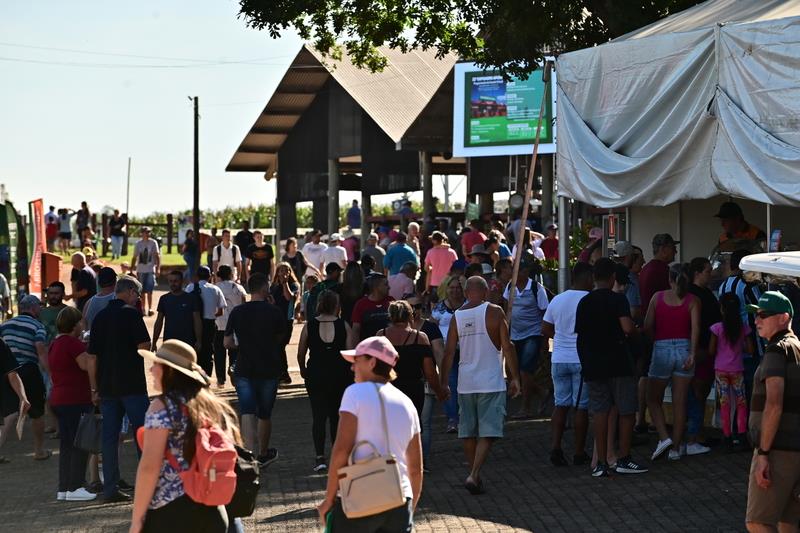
(377, 347)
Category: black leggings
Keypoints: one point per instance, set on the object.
(205, 357)
(220, 354)
(287, 337)
(183, 514)
(325, 402)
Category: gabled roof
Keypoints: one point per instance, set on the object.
(393, 98)
(713, 12)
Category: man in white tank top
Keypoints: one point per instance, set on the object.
(480, 330)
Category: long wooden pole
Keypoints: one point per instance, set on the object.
(528, 191)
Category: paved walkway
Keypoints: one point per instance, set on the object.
(524, 492)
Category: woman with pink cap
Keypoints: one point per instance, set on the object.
(373, 410)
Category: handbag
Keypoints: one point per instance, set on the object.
(89, 437)
(373, 484)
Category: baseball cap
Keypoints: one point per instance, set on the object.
(595, 233)
(478, 249)
(662, 239)
(107, 277)
(373, 236)
(486, 269)
(147, 229)
(378, 347)
(772, 302)
(332, 267)
(623, 249)
(335, 237)
(729, 210)
(552, 225)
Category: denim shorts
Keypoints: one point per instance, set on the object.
(567, 382)
(482, 414)
(256, 396)
(528, 353)
(668, 358)
(148, 281)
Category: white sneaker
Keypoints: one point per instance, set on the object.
(61, 496)
(696, 448)
(661, 448)
(674, 455)
(80, 495)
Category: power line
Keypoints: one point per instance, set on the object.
(133, 65)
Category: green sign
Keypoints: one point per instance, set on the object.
(473, 211)
(502, 112)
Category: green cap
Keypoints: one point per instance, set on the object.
(772, 302)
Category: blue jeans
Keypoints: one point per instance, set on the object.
(190, 260)
(113, 409)
(695, 413)
(451, 405)
(528, 353)
(256, 396)
(116, 246)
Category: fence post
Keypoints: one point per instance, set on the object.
(169, 233)
(104, 236)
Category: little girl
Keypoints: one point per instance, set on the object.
(730, 340)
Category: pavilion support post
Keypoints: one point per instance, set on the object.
(426, 172)
(286, 219)
(563, 243)
(320, 213)
(333, 196)
(485, 203)
(366, 213)
(547, 189)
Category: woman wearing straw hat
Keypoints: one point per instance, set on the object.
(160, 502)
(360, 419)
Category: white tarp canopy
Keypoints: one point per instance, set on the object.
(705, 102)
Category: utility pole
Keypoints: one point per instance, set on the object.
(128, 195)
(196, 204)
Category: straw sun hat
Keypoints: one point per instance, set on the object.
(180, 356)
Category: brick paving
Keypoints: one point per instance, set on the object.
(524, 492)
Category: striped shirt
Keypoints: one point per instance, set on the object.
(21, 334)
(748, 293)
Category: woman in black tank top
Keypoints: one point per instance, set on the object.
(326, 373)
(415, 363)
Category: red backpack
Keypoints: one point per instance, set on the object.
(211, 477)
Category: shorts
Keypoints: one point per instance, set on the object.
(148, 281)
(482, 414)
(34, 388)
(568, 387)
(668, 358)
(256, 396)
(65, 235)
(620, 391)
(528, 353)
(778, 502)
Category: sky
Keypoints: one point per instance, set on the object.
(74, 105)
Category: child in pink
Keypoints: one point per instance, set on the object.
(730, 340)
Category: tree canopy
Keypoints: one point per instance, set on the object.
(511, 35)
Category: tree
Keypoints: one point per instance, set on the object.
(510, 35)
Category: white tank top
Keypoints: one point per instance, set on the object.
(481, 365)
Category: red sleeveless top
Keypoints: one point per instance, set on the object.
(673, 321)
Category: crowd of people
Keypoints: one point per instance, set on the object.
(415, 322)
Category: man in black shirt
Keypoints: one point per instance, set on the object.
(243, 239)
(181, 311)
(116, 225)
(602, 322)
(13, 400)
(260, 256)
(118, 332)
(258, 326)
(83, 279)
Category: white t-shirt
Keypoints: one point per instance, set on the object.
(335, 254)
(212, 297)
(227, 256)
(538, 253)
(361, 400)
(146, 252)
(313, 254)
(234, 295)
(561, 313)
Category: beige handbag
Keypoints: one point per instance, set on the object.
(373, 484)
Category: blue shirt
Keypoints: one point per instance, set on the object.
(21, 334)
(504, 251)
(354, 217)
(397, 256)
(528, 313)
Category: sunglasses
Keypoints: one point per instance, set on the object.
(764, 314)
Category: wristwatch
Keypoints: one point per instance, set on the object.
(760, 451)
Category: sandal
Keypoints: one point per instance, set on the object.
(4, 460)
(474, 488)
(48, 454)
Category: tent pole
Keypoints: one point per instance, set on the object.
(528, 187)
(769, 227)
(563, 245)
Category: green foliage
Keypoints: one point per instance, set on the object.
(507, 34)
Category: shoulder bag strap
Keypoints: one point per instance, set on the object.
(383, 418)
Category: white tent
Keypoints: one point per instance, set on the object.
(702, 103)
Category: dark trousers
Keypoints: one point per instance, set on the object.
(204, 358)
(287, 337)
(220, 354)
(183, 514)
(325, 402)
(113, 409)
(397, 520)
(71, 461)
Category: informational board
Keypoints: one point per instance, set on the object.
(495, 116)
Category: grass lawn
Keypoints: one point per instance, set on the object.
(167, 260)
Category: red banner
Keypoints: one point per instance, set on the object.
(38, 246)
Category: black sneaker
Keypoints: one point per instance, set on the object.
(117, 497)
(557, 458)
(641, 429)
(266, 460)
(581, 459)
(601, 470)
(96, 487)
(626, 465)
(125, 486)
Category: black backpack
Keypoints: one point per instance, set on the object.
(243, 502)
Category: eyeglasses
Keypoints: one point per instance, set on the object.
(764, 314)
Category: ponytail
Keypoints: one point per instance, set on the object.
(679, 274)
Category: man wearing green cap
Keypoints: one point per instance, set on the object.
(775, 420)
